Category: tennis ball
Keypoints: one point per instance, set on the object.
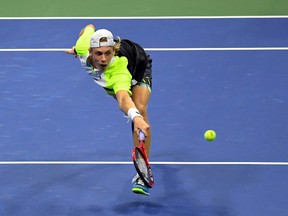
(210, 135)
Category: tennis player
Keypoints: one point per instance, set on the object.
(123, 69)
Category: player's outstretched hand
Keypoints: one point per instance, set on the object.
(140, 124)
(71, 52)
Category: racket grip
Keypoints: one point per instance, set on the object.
(141, 136)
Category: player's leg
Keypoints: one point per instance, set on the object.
(140, 96)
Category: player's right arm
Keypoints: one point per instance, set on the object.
(127, 105)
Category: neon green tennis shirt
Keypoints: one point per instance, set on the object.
(115, 78)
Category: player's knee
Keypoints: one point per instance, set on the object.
(142, 109)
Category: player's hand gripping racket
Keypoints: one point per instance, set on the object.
(141, 162)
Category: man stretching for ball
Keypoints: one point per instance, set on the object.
(123, 69)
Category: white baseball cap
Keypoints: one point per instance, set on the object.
(101, 33)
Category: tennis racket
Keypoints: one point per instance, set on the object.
(141, 162)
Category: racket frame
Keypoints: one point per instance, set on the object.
(141, 149)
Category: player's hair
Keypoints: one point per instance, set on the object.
(116, 46)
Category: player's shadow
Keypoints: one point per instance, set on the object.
(174, 194)
(179, 196)
(149, 208)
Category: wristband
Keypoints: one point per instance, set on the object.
(133, 112)
(75, 52)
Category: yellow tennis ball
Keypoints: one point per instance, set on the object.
(210, 135)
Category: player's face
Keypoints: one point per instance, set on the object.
(101, 57)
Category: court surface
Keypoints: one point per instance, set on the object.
(65, 147)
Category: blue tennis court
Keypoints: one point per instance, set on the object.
(66, 148)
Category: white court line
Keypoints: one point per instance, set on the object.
(145, 17)
(128, 163)
(157, 49)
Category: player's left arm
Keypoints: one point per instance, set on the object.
(82, 44)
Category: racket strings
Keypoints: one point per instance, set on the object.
(142, 165)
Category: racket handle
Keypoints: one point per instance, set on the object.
(141, 135)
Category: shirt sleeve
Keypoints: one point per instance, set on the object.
(125, 84)
(83, 42)
(120, 77)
